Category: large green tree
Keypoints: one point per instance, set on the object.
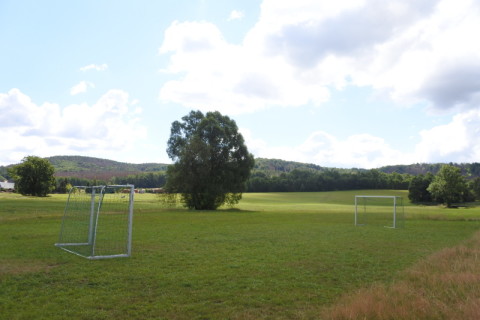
(448, 186)
(475, 188)
(211, 161)
(417, 189)
(34, 176)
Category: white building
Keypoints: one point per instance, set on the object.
(7, 185)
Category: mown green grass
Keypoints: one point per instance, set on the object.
(276, 255)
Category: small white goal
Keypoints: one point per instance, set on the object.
(379, 210)
(97, 222)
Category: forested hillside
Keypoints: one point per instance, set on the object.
(267, 175)
(96, 168)
(272, 175)
(277, 166)
(467, 169)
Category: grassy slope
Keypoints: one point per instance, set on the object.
(280, 256)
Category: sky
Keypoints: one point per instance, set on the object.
(346, 83)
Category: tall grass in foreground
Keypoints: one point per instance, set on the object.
(446, 285)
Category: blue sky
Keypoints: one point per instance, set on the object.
(354, 83)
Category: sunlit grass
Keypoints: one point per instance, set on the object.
(276, 255)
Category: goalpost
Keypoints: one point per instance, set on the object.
(97, 222)
(386, 210)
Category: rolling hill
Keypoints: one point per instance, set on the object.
(97, 168)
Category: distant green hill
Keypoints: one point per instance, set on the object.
(277, 166)
(468, 169)
(96, 168)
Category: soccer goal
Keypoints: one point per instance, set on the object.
(97, 222)
(379, 210)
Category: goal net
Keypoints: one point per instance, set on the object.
(97, 222)
(379, 210)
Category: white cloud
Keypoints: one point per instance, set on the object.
(97, 67)
(410, 51)
(81, 87)
(456, 141)
(229, 78)
(236, 15)
(322, 148)
(16, 110)
(433, 59)
(459, 140)
(48, 129)
(298, 49)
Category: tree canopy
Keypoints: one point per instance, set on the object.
(418, 188)
(448, 186)
(34, 176)
(211, 161)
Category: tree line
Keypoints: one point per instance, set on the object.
(35, 177)
(141, 180)
(300, 180)
(305, 180)
(451, 183)
(448, 186)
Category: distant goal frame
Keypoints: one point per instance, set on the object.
(398, 211)
(97, 222)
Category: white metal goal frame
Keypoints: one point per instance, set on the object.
(397, 209)
(97, 221)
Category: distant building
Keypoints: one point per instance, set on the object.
(10, 186)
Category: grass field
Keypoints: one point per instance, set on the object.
(274, 256)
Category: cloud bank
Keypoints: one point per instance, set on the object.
(98, 130)
(299, 51)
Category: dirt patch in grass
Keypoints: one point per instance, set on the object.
(18, 267)
(446, 285)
